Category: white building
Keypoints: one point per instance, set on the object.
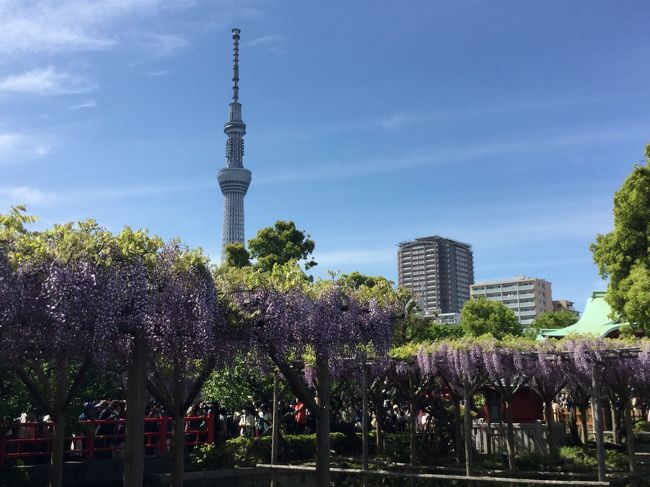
(528, 297)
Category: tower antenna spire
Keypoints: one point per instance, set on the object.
(235, 64)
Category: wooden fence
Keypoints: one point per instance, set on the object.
(529, 437)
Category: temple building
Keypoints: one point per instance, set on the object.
(596, 320)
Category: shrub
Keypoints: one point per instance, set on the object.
(531, 461)
(578, 459)
(246, 452)
(642, 426)
(15, 476)
(397, 447)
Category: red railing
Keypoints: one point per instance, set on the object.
(33, 440)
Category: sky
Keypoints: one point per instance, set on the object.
(505, 124)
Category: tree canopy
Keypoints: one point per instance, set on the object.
(280, 244)
(237, 255)
(355, 280)
(623, 255)
(481, 316)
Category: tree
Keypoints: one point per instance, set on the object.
(237, 255)
(458, 363)
(548, 376)
(91, 288)
(481, 316)
(555, 319)
(133, 256)
(311, 331)
(63, 311)
(551, 320)
(7, 293)
(355, 280)
(280, 244)
(186, 329)
(623, 255)
(504, 364)
(233, 385)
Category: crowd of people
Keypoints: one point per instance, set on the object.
(104, 421)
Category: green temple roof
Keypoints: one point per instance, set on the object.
(595, 320)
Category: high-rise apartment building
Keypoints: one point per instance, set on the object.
(438, 270)
(528, 297)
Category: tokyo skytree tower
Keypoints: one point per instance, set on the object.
(234, 178)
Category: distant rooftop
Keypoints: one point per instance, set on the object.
(513, 279)
(431, 239)
(595, 320)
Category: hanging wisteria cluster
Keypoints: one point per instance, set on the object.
(330, 321)
(77, 295)
(60, 310)
(184, 320)
(550, 364)
(585, 365)
(8, 296)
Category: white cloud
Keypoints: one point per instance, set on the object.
(27, 194)
(16, 146)
(272, 42)
(395, 121)
(84, 104)
(46, 82)
(518, 144)
(49, 26)
(162, 72)
(22, 195)
(159, 45)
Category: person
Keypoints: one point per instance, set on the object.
(105, 429)
(398, 419)
(88, 412)
(246, 423)
(264, 420)
(119, 414)
(24, 431)
(300, 417)
(152, 428)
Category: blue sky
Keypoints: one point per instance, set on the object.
(504, 124)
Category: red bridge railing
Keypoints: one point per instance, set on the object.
(33, 440)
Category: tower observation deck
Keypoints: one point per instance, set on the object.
(234, 179)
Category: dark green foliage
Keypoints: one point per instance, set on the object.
(642, 426)
(482, 316)
(555, 319)
(97, 384)
(415, 328)
(15, 398)
(623, 255)
(280, 244)
(355, 280)
(531, 461)
(551, 320)
(15, 476)
(237, 255)
(396, 448)
(575, 458)
(247, 452)
(233, 386)
(443, 332)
